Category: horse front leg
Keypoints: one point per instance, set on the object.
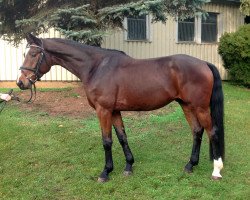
(105, 119)
(122, 137)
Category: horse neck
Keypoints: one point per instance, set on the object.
(78, 61)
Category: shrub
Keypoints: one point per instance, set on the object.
(234, 49)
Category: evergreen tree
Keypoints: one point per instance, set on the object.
(84, 20)
(245, 7)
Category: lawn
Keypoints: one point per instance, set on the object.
(59, 157)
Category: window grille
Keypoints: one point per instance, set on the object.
(209, 29)
(198, 29)
(186, 29)
(137, 28)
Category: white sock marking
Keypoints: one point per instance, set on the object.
(218, 165)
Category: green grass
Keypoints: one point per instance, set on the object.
(45, 157)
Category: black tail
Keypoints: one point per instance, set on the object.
(217, 111)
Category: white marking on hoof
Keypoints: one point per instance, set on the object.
(218, 165)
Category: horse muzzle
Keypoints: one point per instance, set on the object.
(23, 86)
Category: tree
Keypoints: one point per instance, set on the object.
(245, 7)
(84, 20)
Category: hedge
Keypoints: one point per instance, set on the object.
(234, 49)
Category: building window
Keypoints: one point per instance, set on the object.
(209, 28)
(137, 28)
(198, 29)
(186, 30)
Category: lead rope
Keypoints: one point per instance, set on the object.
(13, 97)
(31, 100)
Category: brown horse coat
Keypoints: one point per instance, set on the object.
(114, 82)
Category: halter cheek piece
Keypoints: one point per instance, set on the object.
(36, 70)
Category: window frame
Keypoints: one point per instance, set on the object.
(148, 31)
(198, 30)
(186, 41)
(216, 36)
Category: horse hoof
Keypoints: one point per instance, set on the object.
(127, 173)
(189, 171)
(102, 180)
(188, 168)
(216, 178)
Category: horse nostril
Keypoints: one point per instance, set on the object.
(20, 84)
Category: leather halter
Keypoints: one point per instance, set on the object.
(36, 70)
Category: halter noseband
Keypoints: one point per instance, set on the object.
(36, 70)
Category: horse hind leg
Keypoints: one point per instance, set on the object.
(122, 137)
(205, 120)
(197, 131)
(194, 159)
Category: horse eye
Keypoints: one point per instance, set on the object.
(33, 54)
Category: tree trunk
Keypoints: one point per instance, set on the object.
(94, 6)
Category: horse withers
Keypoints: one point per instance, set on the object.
(115, 82)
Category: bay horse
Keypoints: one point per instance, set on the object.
(115, 82)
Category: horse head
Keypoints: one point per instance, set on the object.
(36, 63)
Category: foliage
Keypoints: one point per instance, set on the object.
(45, 157)
(84, 20)
(245, 7)
(235, 51)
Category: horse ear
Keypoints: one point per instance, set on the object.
(31, 39)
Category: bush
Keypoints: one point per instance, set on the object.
(234, 49)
